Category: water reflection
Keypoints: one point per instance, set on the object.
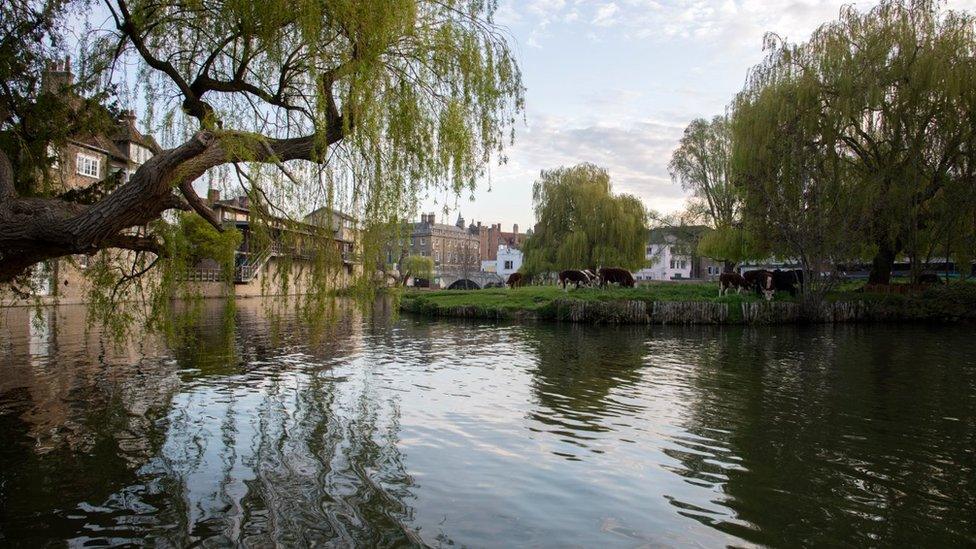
(831, 435)
(247, 428)
(585, 379)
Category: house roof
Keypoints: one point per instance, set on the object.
(658, 235)
(309, 225)
(126, 131)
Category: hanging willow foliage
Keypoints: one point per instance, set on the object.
(354, 105)
(843, 144)
(582, 224)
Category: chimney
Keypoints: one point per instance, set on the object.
(515, 228)
(213, 195)
(57, 76)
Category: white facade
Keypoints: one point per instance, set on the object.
(665, 263)
(509, 260)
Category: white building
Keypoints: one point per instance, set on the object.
(670, 255)
(489, 266)
(509, 260)
(666, 262)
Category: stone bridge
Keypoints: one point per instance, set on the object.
(465, 280)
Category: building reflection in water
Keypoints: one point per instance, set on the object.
(238, 435)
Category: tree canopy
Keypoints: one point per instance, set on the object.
(702, 165)
(582, 224)
(845, 145)
(371, 100)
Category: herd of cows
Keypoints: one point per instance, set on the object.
(764, 283)
(601, 277)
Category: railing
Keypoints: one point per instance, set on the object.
(246, 271)
(203, 275)
(251, 264)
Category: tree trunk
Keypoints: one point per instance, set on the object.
(35, 229)
(882, 264)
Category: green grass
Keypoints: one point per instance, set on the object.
(955, 300)
(533, 298)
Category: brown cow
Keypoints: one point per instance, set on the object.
(516, 280)
(574, 276)
(761, 281)
(729, 281)
(614, 275)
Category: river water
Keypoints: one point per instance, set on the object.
(245, 428)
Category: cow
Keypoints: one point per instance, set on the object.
(614, 275)
(729, 281)
(785, 281)
(516, 280)
(574, 276)
(761, 281)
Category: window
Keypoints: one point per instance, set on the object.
(411, 241)
(508, 265)
(672, 263)
(423, 241)
(684, 264)
(87, 165)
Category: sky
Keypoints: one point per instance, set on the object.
(615, 82)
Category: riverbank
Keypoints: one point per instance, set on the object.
(690, 303)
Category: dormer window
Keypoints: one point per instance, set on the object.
(87, 165)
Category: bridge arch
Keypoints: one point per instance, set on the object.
(464, 284)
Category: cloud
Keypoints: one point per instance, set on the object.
(605, 15)
(731, 23)
(635, 154)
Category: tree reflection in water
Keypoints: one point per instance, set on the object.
(245, 428)
(256, 446)
(584, 378)
(826, 436)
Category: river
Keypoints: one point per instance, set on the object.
(245, 428)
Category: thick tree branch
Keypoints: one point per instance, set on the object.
(200, 206)
(135, 243)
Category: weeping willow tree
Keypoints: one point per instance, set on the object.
(364, 103)
(701, 164)
(582, 224)
(800, 199)
(855, 134)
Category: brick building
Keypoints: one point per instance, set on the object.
(83, 161)
(451, 246)
(490, 237)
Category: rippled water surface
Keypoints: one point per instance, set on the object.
(377, 432)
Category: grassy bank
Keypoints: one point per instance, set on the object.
(689, 303)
